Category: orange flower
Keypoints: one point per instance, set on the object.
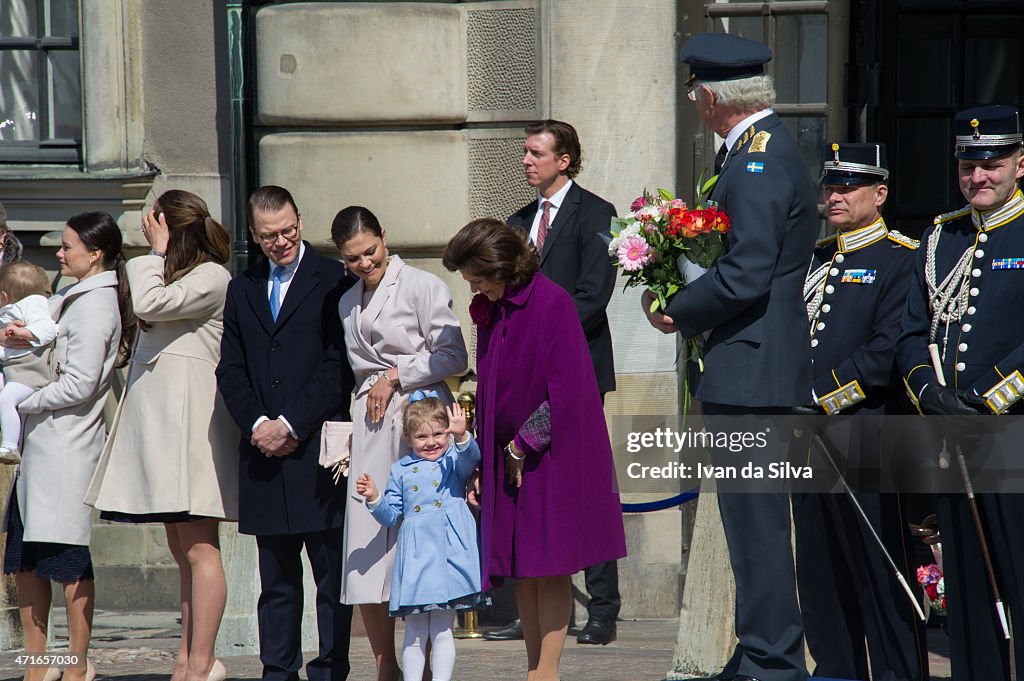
(719, 220)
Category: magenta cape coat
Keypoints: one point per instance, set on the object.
(567, 515)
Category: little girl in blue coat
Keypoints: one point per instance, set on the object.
(437, 562)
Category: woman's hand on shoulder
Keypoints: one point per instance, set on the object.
(16, 336)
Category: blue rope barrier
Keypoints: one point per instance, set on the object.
(662, 504)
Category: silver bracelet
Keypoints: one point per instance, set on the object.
(508, 449)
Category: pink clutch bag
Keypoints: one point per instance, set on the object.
(336, 447)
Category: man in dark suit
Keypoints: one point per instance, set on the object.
(282, 373)
(856, 614)
(566, 223)
(757, 358)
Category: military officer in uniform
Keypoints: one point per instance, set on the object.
(961, 352)
(856, 288)
(756, 359)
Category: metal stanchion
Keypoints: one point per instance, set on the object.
(470, 626)
(470, 619)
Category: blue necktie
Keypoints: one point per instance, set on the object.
(275, 292)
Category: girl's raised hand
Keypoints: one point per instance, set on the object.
(456, 421)
(365, 486)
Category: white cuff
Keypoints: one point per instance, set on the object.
(258, 422)
(291, 430)
(376, 502)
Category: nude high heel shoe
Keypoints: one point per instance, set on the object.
(52, 674)
(90, 671)
(217, 673)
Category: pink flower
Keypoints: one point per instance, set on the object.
(638, 204)
(634, 254)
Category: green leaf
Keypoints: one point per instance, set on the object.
(706, 187)
(654, 305)
(666, 194)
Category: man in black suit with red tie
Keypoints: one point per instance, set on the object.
(569, 226)
(282, 373)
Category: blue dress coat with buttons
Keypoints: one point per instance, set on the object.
(437, 560)
(985, 346)
(854, 335)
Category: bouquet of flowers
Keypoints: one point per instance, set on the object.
(663, 244)
(930, 578)
(660, 240)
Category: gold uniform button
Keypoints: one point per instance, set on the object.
(415, 488)
(436, 483)
(415, 469)
(416, 508)
(437, 503)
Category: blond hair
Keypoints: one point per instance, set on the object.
(427, 410)
(21, 279)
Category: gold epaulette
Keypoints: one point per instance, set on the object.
(903, 240)
(946, 217)
(826, 241)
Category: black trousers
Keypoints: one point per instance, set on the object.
(279, 609)
(853, 606)
(976, 644)
(602, 581)
(757, 532)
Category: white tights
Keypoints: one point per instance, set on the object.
(11, 396)
(437, 626)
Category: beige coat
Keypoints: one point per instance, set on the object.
(409, 324)
(173, 446)
(64, 429)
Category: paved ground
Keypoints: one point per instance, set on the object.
(140, 647)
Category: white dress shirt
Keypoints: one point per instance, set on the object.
(556, 202)
(286, 280)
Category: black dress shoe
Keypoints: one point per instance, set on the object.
(513, 631)
(597, 632)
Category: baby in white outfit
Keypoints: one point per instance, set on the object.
(24, 289)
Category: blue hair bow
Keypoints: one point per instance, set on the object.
(422, 395)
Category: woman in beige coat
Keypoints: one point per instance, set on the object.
(401, 335)
(48, 526)
(172, 455)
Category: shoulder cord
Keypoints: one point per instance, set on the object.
(948, 300)
(814, 291)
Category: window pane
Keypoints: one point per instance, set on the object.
(924, 54)
(751, 28)
(809, 133)
(993, 70)
(801, 58)
(924, 165)
(18, 18)
(63, 18)
(66, 96)
(19, 96)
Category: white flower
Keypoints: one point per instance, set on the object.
(630, 229)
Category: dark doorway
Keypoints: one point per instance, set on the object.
(914, 64)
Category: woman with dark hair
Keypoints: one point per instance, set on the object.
(549, 505)
(172, 454)
(48, 526)
(401, 335)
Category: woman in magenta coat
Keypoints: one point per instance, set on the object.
(549, 501)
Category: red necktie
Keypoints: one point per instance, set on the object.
(545, 224)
